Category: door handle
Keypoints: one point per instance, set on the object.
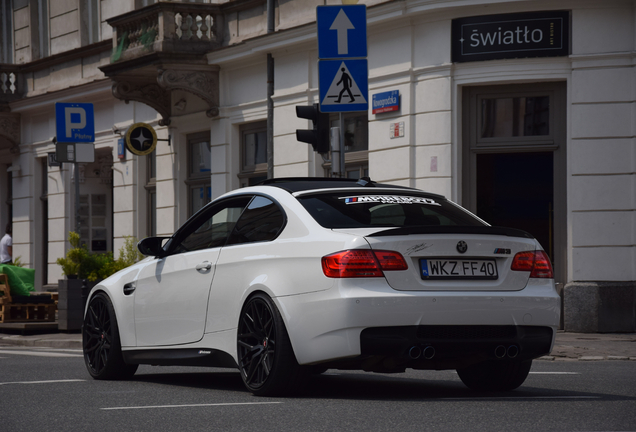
(129, 288)
(205, 265)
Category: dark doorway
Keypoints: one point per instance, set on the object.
(517, 190)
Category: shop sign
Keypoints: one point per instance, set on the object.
(519, 35)
(141, 139)
(386, 102)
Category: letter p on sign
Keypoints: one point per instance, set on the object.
(75, 122)
(74, 118)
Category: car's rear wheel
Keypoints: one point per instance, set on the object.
(266, 359)
(501, 375)
(101, 343)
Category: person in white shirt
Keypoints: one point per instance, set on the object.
(6, 247)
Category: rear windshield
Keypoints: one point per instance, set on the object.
(347, 210)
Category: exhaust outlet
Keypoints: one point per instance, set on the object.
(429, 352)
(415, 352)
(500, 351)
(513, 351)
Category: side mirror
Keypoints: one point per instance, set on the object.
(152, 246)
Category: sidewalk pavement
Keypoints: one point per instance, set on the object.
(568, 346)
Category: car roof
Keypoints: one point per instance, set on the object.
(300, 184)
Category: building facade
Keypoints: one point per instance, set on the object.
(521, 111)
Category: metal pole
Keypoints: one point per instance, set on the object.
(334, 137)
(271, 27)
(77, 198)
(342, 146)
(270, 116)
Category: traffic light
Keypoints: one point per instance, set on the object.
(318, 137)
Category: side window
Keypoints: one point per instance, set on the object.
(212, 227)
(261, 221)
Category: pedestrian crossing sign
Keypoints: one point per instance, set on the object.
(343, 85)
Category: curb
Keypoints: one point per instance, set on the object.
(41, 343)
(588, 358)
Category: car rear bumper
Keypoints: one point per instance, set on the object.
(352, 320)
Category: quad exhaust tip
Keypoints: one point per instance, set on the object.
(416, 352)
(511, 352)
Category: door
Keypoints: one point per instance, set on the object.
(514, 159)
(171, 296)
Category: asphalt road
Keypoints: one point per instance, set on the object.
(43, 389)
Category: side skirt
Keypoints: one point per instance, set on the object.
(205, 357)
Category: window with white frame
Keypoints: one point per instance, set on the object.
(199, 171)
(91, 22)
(253, 153)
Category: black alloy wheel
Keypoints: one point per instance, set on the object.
(266, 359)
(100, 341)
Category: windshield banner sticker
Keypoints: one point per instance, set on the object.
(388, 199)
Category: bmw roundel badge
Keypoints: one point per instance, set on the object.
(462, 246)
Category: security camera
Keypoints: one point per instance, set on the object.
(116, 130)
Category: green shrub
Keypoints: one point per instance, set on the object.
(96, 267)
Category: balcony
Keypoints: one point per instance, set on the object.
(160, 48)
(10, 83)
(177, 29)
(11, 88)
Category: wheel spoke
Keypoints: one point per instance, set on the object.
(97, 335)
(256, 342)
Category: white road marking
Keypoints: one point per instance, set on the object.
(556, 373)
(189, 405)
(43, 382)
(40, 353)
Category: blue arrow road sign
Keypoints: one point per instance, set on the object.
(74, 122)
(343, 85)
(342, 31)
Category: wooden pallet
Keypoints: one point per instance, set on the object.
(16, 312)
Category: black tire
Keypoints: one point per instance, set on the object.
(101, 343)
(502, 375)
(266, 359)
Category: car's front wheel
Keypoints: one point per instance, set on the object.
(266, 359)
(501, 375)
(101, 343)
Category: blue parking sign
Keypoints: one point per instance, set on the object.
(74, 122)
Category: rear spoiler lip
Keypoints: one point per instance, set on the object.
(452, 229)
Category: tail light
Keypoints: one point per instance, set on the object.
(537, 263)
(362, 263)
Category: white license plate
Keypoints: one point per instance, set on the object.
(443, 268)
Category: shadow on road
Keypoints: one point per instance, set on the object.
(345, 385)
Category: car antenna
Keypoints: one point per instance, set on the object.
(366, 181)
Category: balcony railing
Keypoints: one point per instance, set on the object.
(10, 82)
(175, 28)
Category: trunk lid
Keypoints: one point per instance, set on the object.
(484, 264)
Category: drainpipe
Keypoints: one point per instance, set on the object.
(271, 14)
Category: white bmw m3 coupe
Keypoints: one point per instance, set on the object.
(301, 275)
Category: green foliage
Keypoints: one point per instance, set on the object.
(18, 261)
(96, 267)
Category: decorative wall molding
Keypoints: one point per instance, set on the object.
(201, 83)
(149, 93)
